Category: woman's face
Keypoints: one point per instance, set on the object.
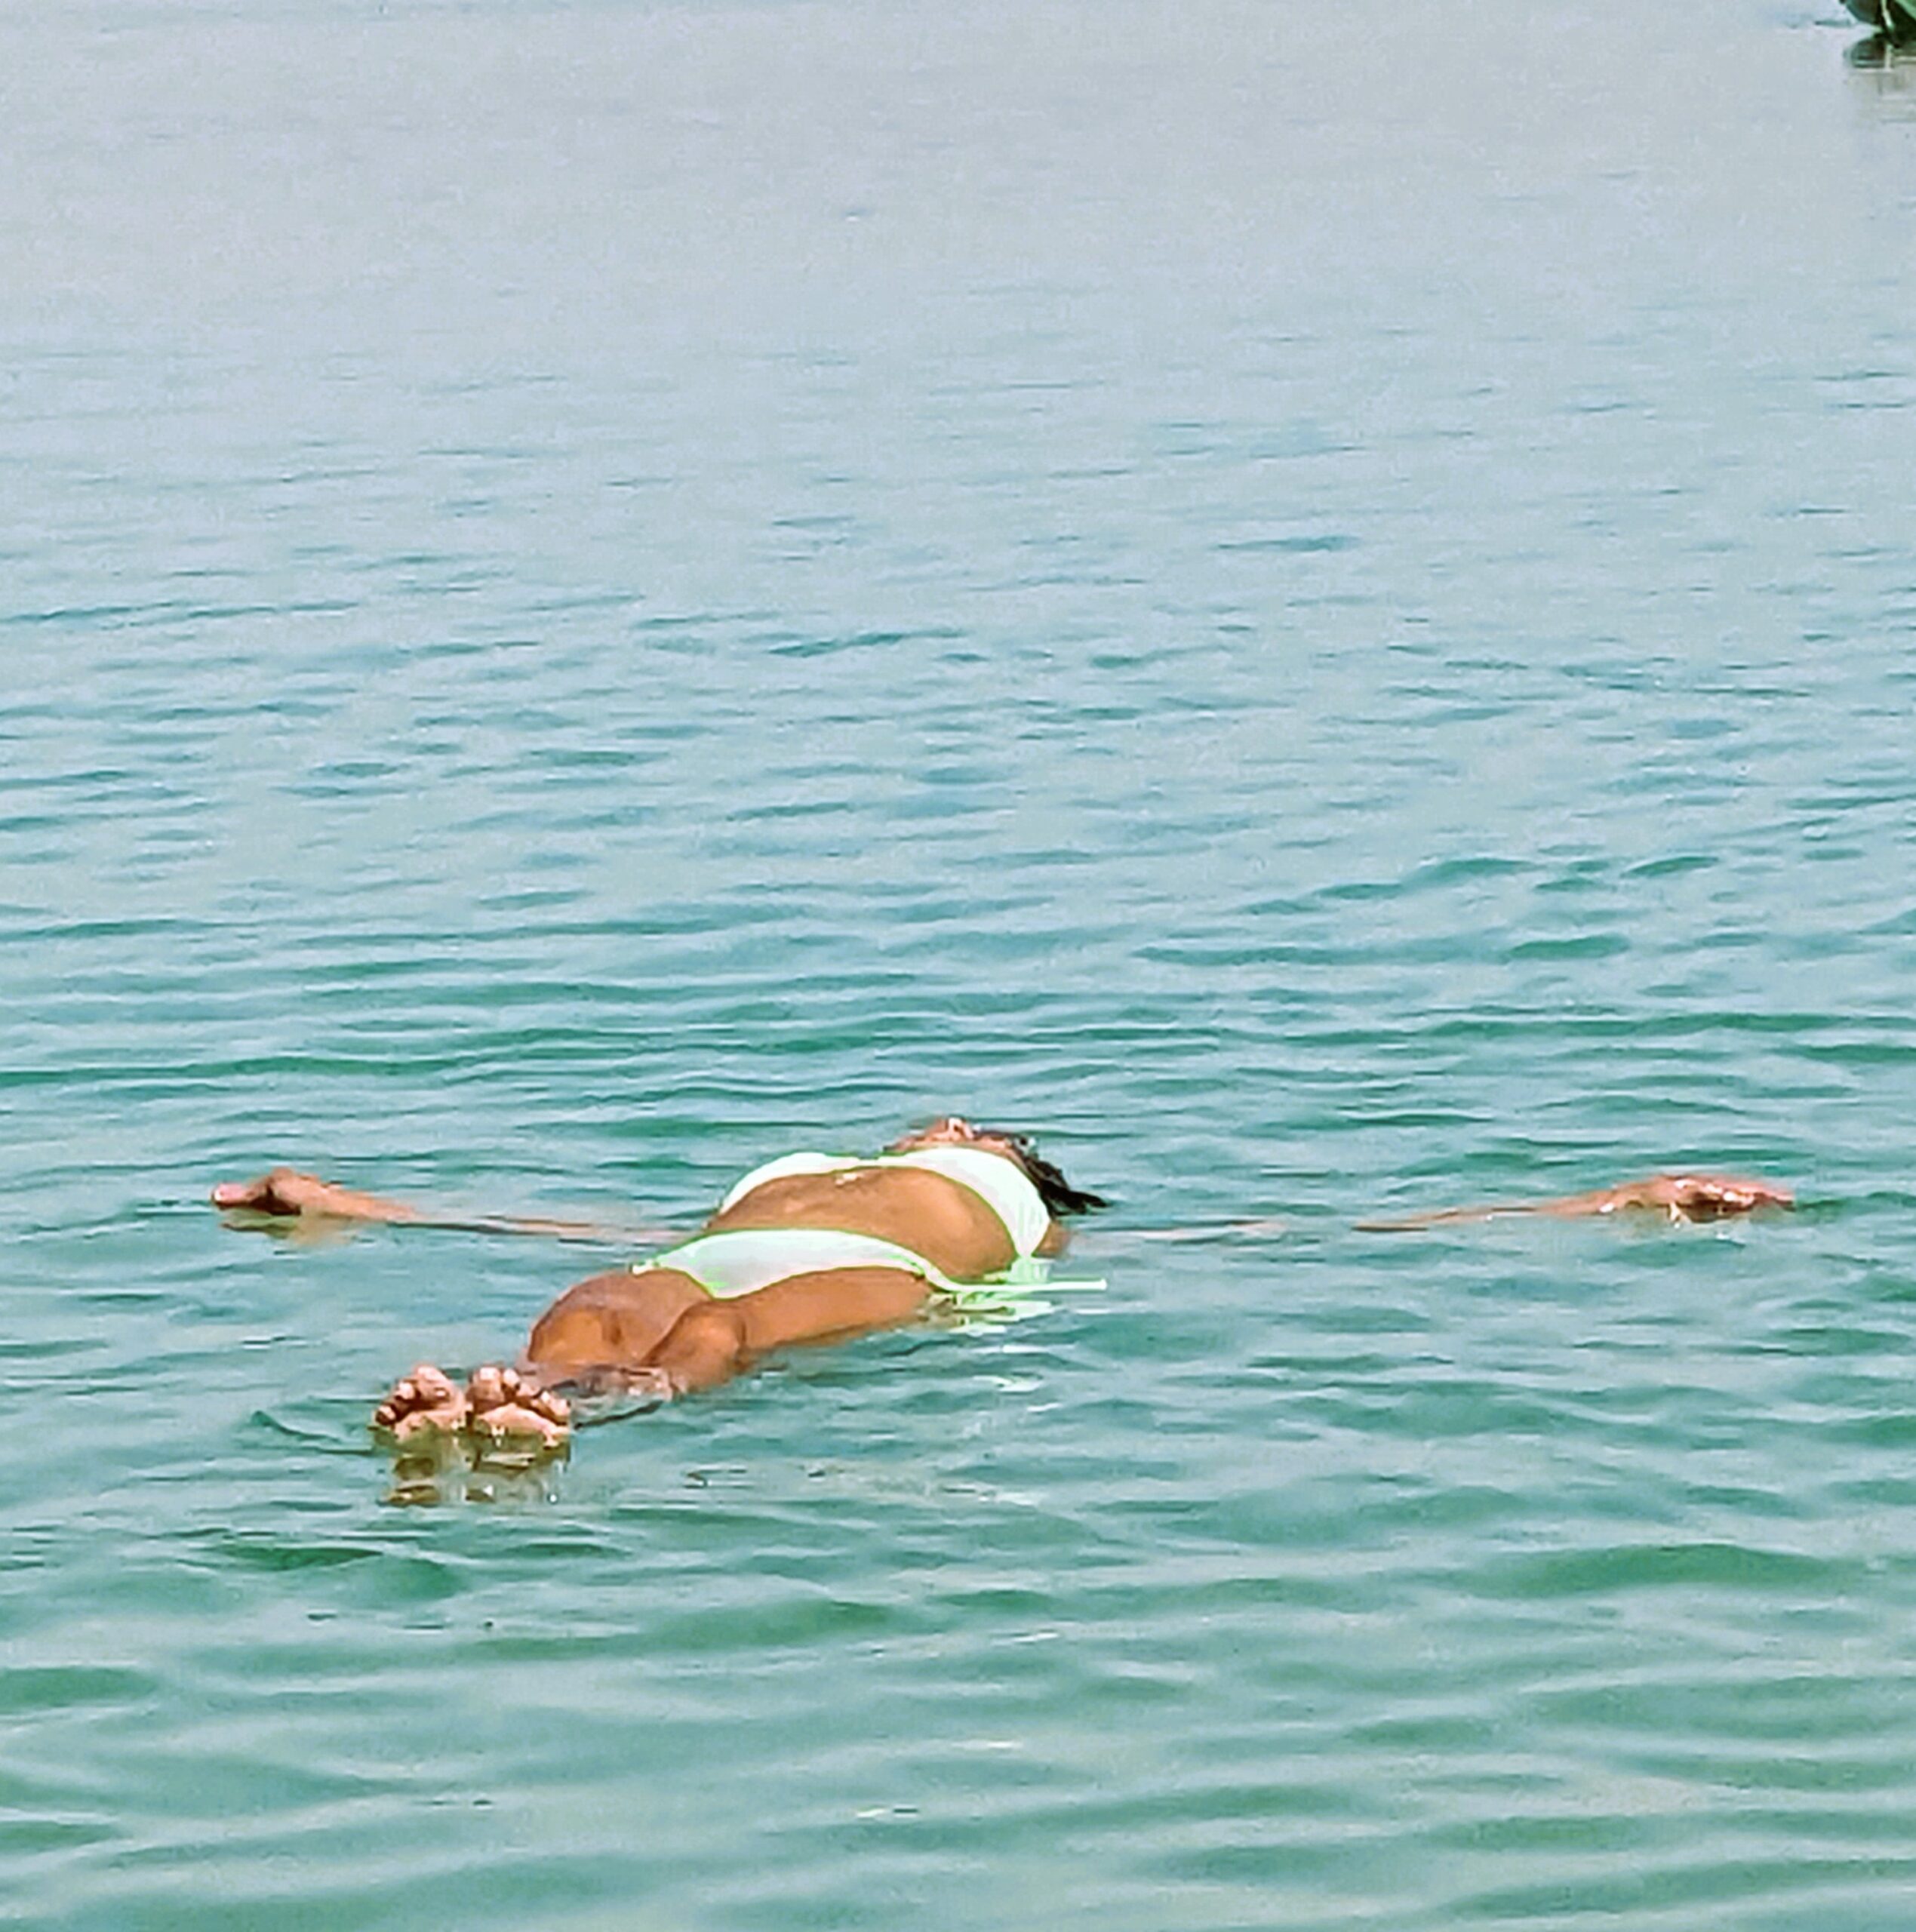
(953, 1130)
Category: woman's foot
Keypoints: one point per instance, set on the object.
(497, 1403)
(426, 1401)
(502, 1402)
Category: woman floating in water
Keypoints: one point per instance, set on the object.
(809, 1248)
(804, 1249)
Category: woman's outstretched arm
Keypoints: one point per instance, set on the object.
(286, 1194)
(1681, 1197)
(1098, 1239)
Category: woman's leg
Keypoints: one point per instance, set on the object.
(712, 1339)
(605, 1326)
(620, 1323)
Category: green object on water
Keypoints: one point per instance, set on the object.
(1895, 18)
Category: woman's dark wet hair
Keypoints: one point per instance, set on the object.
(1060, 1197)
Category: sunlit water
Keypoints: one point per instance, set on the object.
(1314, 604)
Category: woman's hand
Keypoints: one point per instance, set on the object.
(1690, 1197)
(1681, 1197)
(286, 1194)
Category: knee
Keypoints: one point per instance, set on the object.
(585, 1326)
(572, 1335)
(712, 1327)
(706, 1345)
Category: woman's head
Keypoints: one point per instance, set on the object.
(1060, 1197)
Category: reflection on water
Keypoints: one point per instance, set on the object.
(441, 1469)
(1895, 58)
(1889, 70)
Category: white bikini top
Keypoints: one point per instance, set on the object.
(1002, 1185)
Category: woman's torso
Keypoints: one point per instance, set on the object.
(954, 1229)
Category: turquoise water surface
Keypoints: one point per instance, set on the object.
(1315, 606)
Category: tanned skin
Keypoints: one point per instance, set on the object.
(1678, 1196)
(657, 1330)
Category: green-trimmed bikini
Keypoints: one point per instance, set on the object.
(739, 1261)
